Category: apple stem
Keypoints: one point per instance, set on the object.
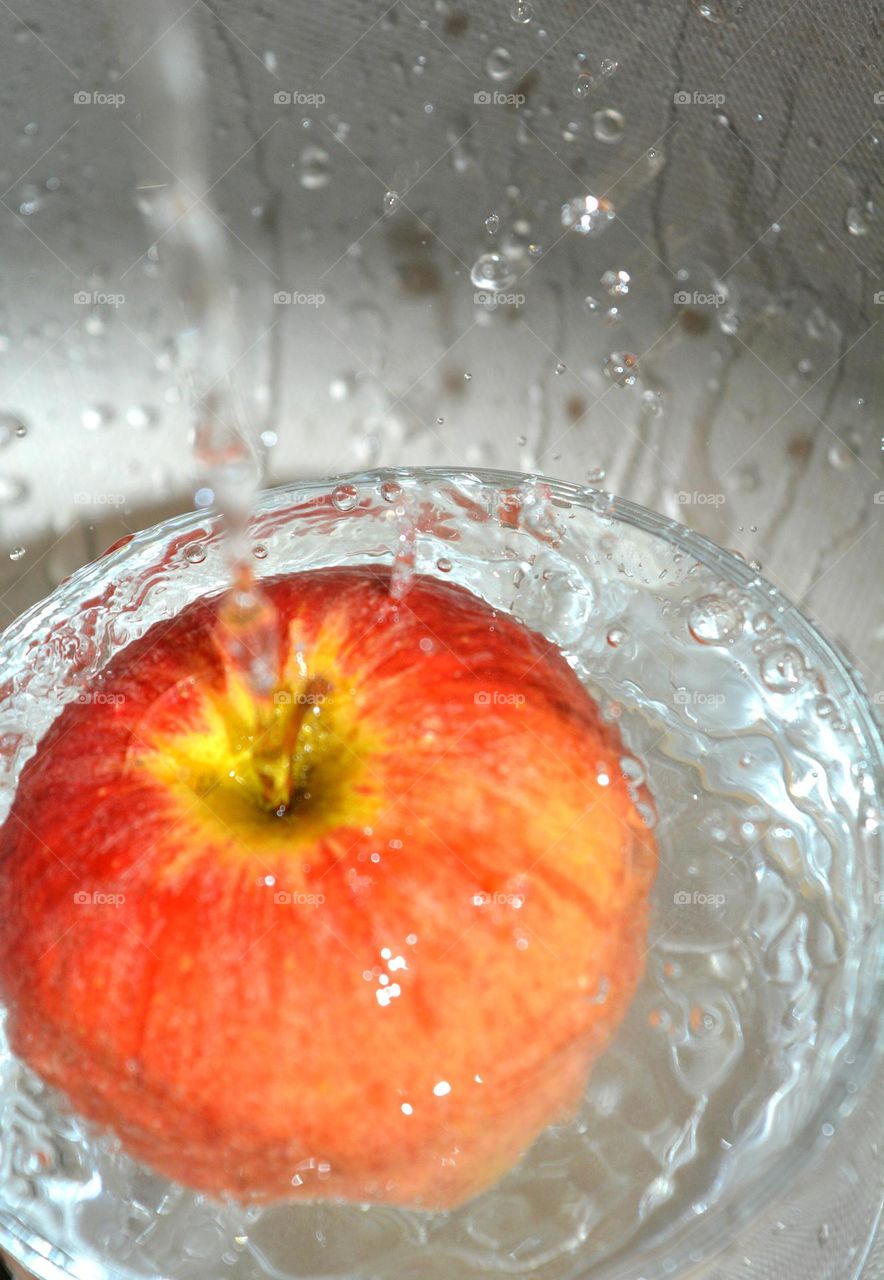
(277, 760)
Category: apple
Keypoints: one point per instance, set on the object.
(361, 938)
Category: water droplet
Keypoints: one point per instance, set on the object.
(616, 283)
(782, 669)
(31, 200)
(499, 64)
(492, 271)
(444, 565)
(315, 168)
(391, 491)
(748, 478)
(608, 125)
(587, 214)
(582, 86)
(652, 403)
(616, 636)
(840, 457)
(714, 620)
(12, 490)
(492, 224)
(17, 553)
(622, 367)
(195, 552)
(521, 11)
(560, 367)
(592, 304)
(595, 475)
(714, 11)
(856, 220)
(345, 497)
(97, 416)
(259, 551)
(141, 416)
(10, 426)
(655, 159)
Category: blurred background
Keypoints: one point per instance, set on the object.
(697, 329)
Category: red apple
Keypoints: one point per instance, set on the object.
(365, 943)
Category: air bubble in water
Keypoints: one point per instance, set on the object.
(587, 214)
(616, 636)
(782, 669)
(492, 224)
(499, 64)
(596, 475)
(608, 125)
(17, 553)
(391, 201)
(622, 368)
(582, 86)
(714, 620)
(195, 552)
(609, 66)
(492, 271)
(521, 11)
(315, 168)
(592, 304)
(616, 283)
(345, 497)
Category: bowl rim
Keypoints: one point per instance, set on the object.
(49, 1262)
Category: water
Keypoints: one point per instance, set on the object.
(765, 818)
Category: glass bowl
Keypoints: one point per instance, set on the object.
(749, 1051)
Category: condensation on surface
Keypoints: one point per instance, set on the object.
(753, 746)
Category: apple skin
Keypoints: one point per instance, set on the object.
(383, 994)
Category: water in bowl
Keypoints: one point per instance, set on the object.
(745, 1040)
